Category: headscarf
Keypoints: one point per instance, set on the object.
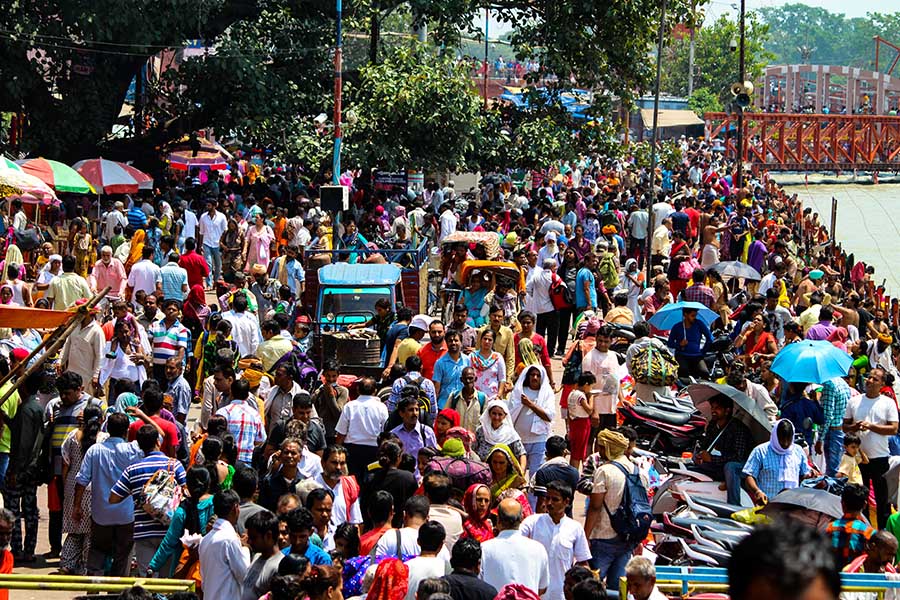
(451, 415)
(454, 448)
(462, 434)
(6, 286)
(629, 263)
(475, 526)
(391, 581)
(505, 434)
(839, 337)
(137, 248)
(516, 591)
(195, 299)
(785, 474)
(13, 257)
(545, 399)
(123, 402)
(506, 483)
(613, 442)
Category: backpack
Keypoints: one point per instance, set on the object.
(305, 370)
(608, 271)
(560, 295)
(424, 403)
(162, 494)
(462, 472)
(654, 366)
(572, 366)
(633, 517)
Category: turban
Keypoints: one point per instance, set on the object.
(613, 442)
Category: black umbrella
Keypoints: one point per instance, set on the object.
(745, 408)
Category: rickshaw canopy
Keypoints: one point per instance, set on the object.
(508, 270)
(488, 239)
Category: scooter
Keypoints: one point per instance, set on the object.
(664, 427)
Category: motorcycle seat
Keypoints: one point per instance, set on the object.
(663, 416)
(722, 509)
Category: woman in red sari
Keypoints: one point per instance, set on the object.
(477, 502)
(757, 342)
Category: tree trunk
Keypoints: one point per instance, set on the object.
(375, 33)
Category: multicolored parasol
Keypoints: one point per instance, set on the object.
(59, 176)
(111, 177)
(28, 188)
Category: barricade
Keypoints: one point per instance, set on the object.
(77, 583)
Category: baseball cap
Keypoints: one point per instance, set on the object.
(421, 322)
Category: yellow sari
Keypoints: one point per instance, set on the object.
(137, 248)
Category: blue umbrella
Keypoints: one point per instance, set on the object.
(811, 361)
(670, 314)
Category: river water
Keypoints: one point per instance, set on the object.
(868, 222)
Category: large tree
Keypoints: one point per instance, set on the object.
(716, 65)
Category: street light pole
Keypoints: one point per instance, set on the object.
(659, 53)
(742, 78)
(338, 88)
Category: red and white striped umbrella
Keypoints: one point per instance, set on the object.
(110, 177)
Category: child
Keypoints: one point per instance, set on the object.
(853, 457)
(301, 336)
(581, 405)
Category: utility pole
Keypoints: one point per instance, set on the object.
(742, 78)
(487, 66)
(690, 81)
(659, 54)
(338, 89)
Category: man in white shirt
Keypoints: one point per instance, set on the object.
(449, 221)
(224, 562)
(358, 427)
(605, 367)
(345, 506)
(561, 536)
(428, 563)
(641, 577)
(415, 514)
(662, 210)
(143, 274)
(20, 221)
(212, 226)
(83, 352)
(244, 326)
(873, 417)
(190, 224)
(511, 557)
(115, 217)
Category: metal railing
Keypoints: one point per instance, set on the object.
(690, 580)
(78, 583)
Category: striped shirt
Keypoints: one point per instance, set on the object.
(65, 420)
(245, 425)
(835, 395)
(136, 217)
(764, 465)
(173, 279)
(131, 483)
(167, 340)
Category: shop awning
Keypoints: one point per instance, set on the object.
(16, 317)
(671, 118)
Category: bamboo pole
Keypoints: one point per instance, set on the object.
(149, 585)
(60, 338)
(91, 579)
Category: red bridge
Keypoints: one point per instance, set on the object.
(811, 142)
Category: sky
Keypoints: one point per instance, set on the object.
(714, 8)
(858, 8)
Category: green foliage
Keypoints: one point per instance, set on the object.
(703, 101)
(539, 141)
(832, 39)
(716, 66)
(668, 155)
(415, 110)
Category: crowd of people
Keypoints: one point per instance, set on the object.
(285, 488)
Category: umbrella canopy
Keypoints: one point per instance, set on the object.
(810, 499)
(811, 361)
(746, 410)
(145, 182)
(59, 176)
(8, 164)
(107, 176)
(670, 314)
(734, 268)
(27, 188)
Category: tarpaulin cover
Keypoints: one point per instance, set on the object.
(16, 317)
